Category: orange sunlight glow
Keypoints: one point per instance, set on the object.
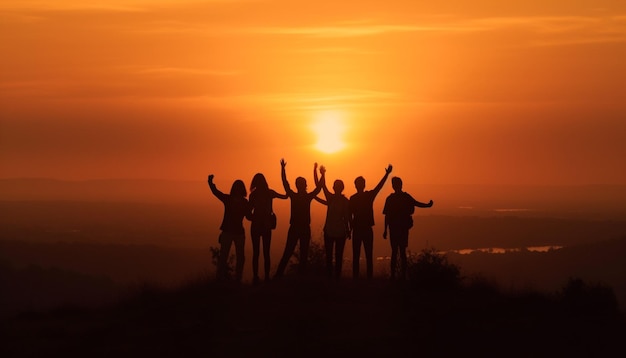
(329, 127)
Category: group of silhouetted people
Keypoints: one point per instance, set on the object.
(346, 219)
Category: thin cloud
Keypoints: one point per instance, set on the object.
(20, 18)
(311, 98)
(22, 85)
(353, 31)
(50, 6)
(100, 5)
(579, 41)
(544, 25)
(562, 30)
(324, 31)
(185, 71)
(346, 50)
(612, 28)
(302, 101)
(540, 22)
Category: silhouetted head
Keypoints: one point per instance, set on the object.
(359, 184)
(396, 184)
(258, 182)
(338, 186)
(238, 189)
(301, 184)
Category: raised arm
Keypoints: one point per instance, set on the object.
(321, 183)
(383, 180)
(324, 187)
(283, 176)
(316, 180)
(214, 189)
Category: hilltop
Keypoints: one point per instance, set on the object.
(314, 316)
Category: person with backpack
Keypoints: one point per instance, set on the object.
(398, 211)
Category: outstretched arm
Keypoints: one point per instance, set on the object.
(423, 205)
(214, 189)
(280, 196)
(320, 200)
(383, 180)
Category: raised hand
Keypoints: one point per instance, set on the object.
(388, 169)
(322, 170)
(211, 176)
(283, 163)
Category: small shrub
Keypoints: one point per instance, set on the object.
(580, 297)
(230, 263)
(430, 269)
(316, 264)
(481, 283)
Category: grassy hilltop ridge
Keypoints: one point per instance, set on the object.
(314, 316)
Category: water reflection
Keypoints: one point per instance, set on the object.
(501, 250)
(489, 250)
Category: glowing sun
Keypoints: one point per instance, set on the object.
(329, 127)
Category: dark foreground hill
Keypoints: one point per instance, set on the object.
(297, 317)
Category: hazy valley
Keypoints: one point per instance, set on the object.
(130, 235)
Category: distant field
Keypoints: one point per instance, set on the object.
(169, 243)
(582, 202)
(197, 225)
(151, 239)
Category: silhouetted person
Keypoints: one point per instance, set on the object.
(300, 220)
(362, 211)
(263, 221)
(399, 209)
(236, 207)
(337, 224)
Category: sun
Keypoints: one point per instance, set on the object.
(329, 127)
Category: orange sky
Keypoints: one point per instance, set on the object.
(479, 92)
